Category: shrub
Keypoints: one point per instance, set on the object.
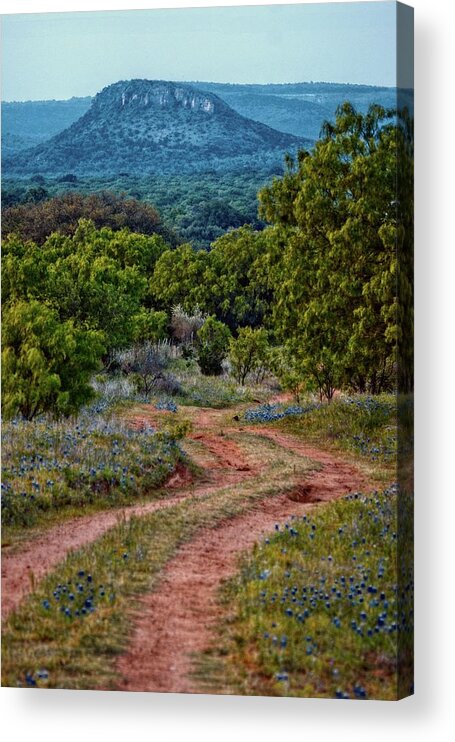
(248, 352)
(185, 325)
(150, 325)
(212, 343)
(145, 362)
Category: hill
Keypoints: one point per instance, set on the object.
(301, 108)
(28, 123)
(145, 126)
(297, 108)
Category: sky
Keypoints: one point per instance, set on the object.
(60, 55)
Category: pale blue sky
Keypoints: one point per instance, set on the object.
(58, 55)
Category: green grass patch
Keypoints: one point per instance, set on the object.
(363, 426)
(321, 608)
(53, 466)
(217, 392)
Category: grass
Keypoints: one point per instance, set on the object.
(323, 607)
(318, 610)
(361, 426)
(57, 641)
(214, 391)
(96, 461)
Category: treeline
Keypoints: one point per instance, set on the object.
(197, 208)
(38, 216)
(313, 296)
(330, 278)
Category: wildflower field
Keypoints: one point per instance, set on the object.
(93, 461)
(318, 607)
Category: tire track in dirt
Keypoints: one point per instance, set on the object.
(24, 567)
(178, 618)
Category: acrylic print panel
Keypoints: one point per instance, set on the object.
(207, 350)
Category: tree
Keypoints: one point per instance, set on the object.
(96, 278)
(179, 279)
(248, 351)
(288, 371)
(150, 325)
(42, 215)
(335, 293)
(237, 280)
(46, 363)
(212, 345)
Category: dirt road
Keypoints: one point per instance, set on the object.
(177, 619)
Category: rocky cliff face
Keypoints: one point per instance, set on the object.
(148, 126)
(139, 94)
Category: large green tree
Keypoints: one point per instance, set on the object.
(46, 363)
(336, 304)
(96, 278)
(212, 345)
(237, 280)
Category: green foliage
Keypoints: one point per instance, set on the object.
(236, 279)
(189, 205)
(230, 282)
(46, 363)
(150, 325)
(336, 286)
(96, 278)
(212, 345)
(248, 352)
(288, 371)
(178, 278)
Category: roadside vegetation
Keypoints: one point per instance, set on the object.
(93, 462)
(317, 611)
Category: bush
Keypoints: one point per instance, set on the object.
(249, 352)
(289, 374)
(212, 343)
(150, 325)
(185, 325)
(46, 363)
(145, 362)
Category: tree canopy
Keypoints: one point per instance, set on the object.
(335, 288)
(46, 363)
(40, 215)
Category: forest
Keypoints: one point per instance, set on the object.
(312, 296)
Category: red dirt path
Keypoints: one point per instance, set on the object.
(178, 618)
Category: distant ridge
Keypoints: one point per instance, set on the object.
(293, 108)
(155, 126)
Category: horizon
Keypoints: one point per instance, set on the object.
(59, 56)
(199, 82)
